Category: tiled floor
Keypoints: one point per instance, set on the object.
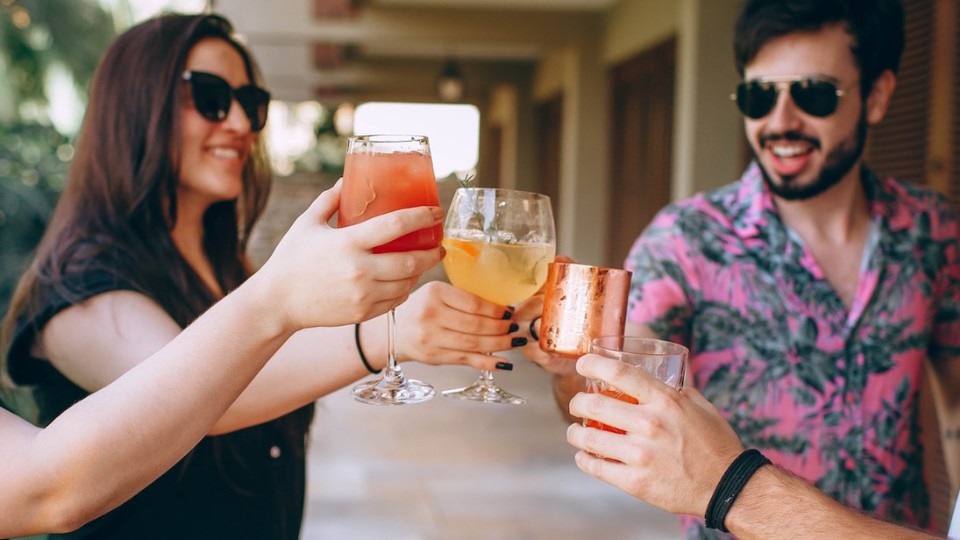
(449, 469)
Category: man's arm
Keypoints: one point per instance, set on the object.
(675, 451)
(776, 504)
(946, 389)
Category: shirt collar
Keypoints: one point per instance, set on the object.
(754, 203)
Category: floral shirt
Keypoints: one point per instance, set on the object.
(824, 392)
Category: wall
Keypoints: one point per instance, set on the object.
(634, 25)
(707, 138)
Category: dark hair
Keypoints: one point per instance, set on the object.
(875, 25)
(120, 196)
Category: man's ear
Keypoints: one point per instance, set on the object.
(879, 99)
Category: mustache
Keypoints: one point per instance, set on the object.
(788, 136)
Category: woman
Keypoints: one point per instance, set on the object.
(113, 443)
(168, 179)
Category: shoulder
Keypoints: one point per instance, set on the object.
(922, 206)
(97, 340)
(112, 315)
(714, 209)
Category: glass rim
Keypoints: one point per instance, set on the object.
(508, 191)
(388, 137)
(582, 266)
(669, 347)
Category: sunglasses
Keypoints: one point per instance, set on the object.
(212, 97)
(815, 96)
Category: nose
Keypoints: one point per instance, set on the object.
(236, 119)
(785, 114)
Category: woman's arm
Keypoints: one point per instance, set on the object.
(97, 341)
(108, 446)
(116, 441)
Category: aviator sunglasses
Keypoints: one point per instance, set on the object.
(815, 96)
(212, 97)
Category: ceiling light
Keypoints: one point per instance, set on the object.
(451, 86)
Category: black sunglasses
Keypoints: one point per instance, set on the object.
(815, 96)
(212, 97)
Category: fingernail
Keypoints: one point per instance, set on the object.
(518, 342)
(436, 212)
(443, 252)
(513, 328)
(507, 314)
(505, 366)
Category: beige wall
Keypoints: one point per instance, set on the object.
(706, 147)
(634, 25)
(502, 112)
(708, 126)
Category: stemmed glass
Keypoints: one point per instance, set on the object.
(499, 244)
(383, 173)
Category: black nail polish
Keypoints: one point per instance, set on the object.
(513, 328)
(505, 366)
(518, 342)
(507, 314)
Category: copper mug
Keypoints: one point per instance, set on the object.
(582, 302)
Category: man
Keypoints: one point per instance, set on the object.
(811, 291)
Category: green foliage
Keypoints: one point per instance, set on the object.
(33, 170)
(35, 36)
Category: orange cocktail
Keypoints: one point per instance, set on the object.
(614, 393)
(378, 183)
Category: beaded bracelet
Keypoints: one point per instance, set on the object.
(730, 486)
(363, 357)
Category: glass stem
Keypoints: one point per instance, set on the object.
(486, 377)
(393, 373)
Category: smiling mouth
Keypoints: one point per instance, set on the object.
(790, 151)
(228, 153)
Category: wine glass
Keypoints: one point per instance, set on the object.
(499, 244)
(383, 173)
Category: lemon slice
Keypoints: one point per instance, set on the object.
(468, 249)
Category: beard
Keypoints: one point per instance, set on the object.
(838, 163)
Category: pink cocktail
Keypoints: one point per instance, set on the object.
(381, 174)
(378, 183)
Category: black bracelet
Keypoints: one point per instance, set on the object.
(533, 333)
(363, 358)
(730, 486)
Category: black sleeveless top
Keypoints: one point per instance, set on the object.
(248, 484)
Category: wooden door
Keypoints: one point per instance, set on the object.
(641, 144)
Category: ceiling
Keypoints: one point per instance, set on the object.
(357, 50)
(547, 5)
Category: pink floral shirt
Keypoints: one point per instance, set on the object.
(824, 392)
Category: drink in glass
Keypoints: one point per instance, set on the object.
(582, 302)
(664, 360)
(499, 244)
(383, 173)
(378, 183)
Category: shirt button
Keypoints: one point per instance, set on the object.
(275, 451)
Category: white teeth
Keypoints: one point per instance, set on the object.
(788, 151)
(229, 153)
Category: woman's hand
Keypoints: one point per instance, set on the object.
(357, 284)
(528, 315)
(442, 324)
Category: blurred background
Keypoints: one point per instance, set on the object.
(612, 107)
